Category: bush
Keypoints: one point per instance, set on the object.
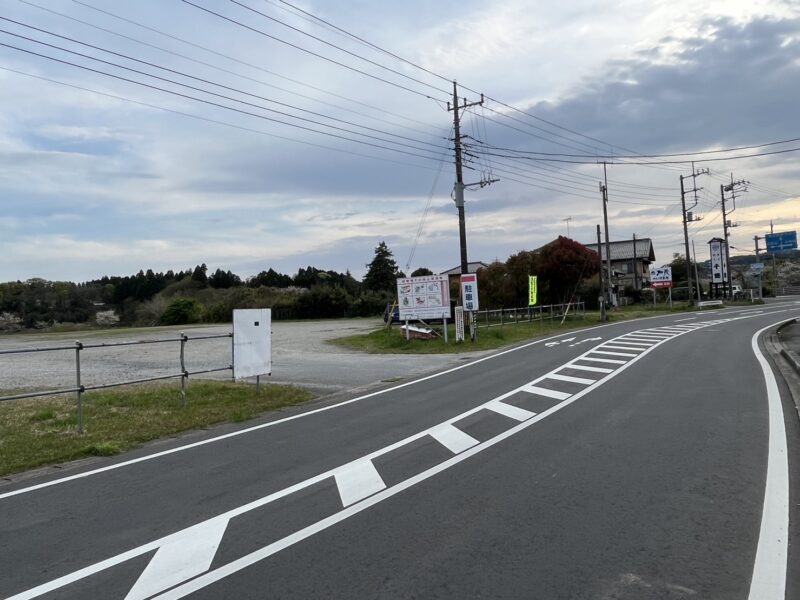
(182, 311)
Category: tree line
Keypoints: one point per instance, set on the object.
(194, 295)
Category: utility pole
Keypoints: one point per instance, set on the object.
(732, 188)
(687, 216)
(635, 268)
(602, 295)
(760, 287)
(460, 185)
(604, 193)
(567, 220)
(696, 276)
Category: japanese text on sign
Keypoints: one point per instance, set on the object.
(469, 292)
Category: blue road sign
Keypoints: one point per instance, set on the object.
(786, 240)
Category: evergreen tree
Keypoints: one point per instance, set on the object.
(382, 272)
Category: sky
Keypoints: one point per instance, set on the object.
(248, 134)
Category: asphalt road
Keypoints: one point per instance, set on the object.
(648, 459)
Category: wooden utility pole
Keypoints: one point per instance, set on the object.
(459, 186)
(602, 295)
(732, 188)
(604, 192)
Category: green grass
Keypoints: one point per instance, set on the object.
(36, 432)
(390, 341)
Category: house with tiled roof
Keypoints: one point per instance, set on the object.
(630, 261)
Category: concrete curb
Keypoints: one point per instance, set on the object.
(791, 357)
(789, 367)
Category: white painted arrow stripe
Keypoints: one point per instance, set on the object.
(358, 481)
(452, 438)
(510, 411)
(571, 379)
(179, 560)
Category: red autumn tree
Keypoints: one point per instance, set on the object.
(563, 264)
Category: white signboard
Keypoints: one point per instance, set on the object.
(426, 297)
(459, 323)
(724, 247)
(717, 261)
(757, 267)
(469, 292)
(661, 277)
(252, 342)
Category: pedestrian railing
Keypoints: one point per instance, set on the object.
(81, 388)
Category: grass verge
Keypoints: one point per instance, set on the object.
(391, 341)
(36, 432)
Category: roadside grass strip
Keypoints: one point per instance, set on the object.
(359, 484)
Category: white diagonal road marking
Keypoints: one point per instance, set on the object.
(533, 389)
(452, 438)
(510, 411)
(571, 379)
(357, 481)
(186, 556)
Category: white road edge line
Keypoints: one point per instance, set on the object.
(769, 570)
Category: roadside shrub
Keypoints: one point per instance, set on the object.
(182, 311)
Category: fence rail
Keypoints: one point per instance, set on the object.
(79, 388)
(528, 314)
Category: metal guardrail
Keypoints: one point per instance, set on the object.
(79, 389)
(528, 314)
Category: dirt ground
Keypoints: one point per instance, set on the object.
(300, 356)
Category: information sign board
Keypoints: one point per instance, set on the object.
(459, 323)
(426, 297)
(661, 277)
(786, 240)
(252, 342)
(469, 292)
(717, 261)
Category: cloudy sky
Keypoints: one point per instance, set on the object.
(165, 133)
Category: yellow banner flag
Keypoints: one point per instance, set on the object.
(532, 290)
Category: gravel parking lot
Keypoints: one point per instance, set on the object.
(300, 356)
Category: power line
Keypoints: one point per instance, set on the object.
(243, 63)
(618, 156)
(367, 43)
(327, 43)
(226, 87)
(306, 50)
(216, 104)
(662, 162)
(216, 121)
